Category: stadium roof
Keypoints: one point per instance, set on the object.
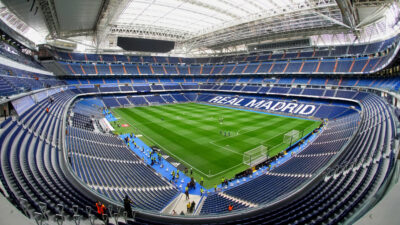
(196, 23)
(182, 20)
(200, 16)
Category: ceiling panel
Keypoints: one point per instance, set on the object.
(74, 15)
(26, 11)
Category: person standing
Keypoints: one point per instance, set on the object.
(98, 207)
(101, 209)
(187, 192)
(192, 206)
(127, 206)
(104, 215)
(5, 112)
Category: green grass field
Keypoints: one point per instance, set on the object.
(190, 133)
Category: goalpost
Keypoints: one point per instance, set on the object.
(291, 137)
(255, 156)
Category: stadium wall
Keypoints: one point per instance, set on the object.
(11, 63)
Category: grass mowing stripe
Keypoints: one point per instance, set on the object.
(155, 142)
(179, 123)
(190, 131)
(186, 143)
(253, 138)
(198, 124)
(253, 133)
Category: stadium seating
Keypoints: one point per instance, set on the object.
(31, 171)
(110, 102)
(122, 101)
(138, 100)
(96, 157)
(82, 121)
(154, 99)
(16, 83)
(337, 59)
(14, 53)
(5, 88)
(89, 107)
(327, 200)
(359, 49)
(265, 188)
(347, 162)
(92, 152)
(218, 204)
(165, 83)
(325, 65)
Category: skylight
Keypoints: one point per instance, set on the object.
(196, 15)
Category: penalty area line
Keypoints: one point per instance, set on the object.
(170, 153)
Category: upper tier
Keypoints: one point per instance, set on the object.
(333, 51)
(17, 55)
(299, 66)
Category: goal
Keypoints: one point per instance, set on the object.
(291, 136)
(255, 156)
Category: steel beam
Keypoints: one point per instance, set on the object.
(50, 16)
(349, 13)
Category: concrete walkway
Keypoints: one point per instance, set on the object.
(386, 212)
(181, 204)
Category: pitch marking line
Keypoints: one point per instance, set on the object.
(170, 152)
(224, 171)
(212, 142)
(204, 174)
(261, 143)
(209, 176)
(226, 148)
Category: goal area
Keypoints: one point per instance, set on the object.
(291, 136)
(255, 156)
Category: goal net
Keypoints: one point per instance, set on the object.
(255, 156)
(291, 136)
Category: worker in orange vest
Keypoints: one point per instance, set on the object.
(230, 207)
(103, 209)
(99, 209)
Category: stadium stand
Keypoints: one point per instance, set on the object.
(87, 163)
(32, 171)
(336, 61)
(58, 156)
(92, 157)
(387, 83)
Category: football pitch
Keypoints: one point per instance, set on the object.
(209, 139)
